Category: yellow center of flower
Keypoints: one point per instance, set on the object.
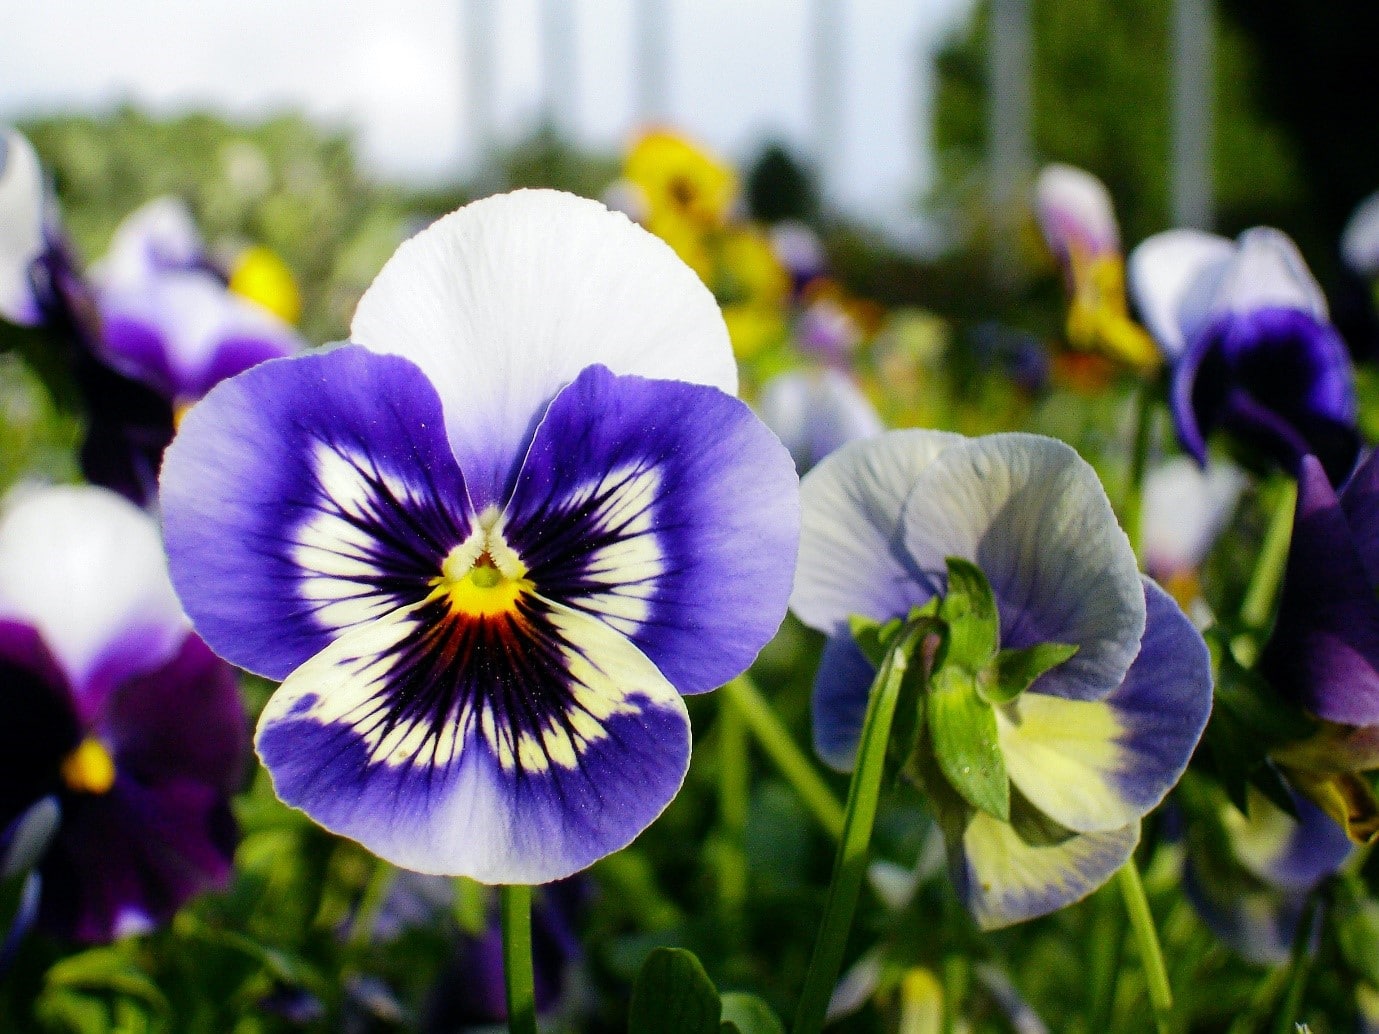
(483, 576)
(89, 768)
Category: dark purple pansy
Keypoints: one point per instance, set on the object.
(117, 713)
(489, 546)
(1324, 652)
(1255, 353)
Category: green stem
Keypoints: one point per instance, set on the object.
(375, 893)
(1132, 502)
(1300, 966)
(1103, 960)
(1258, 604)
(734, 787)
(514, 903)
(761, 718)
(850, 865)
(1151, 956)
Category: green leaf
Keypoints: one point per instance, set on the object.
(969, 609)
(874, 638)
(962, 728)
(1016, 670)
(748, 1014)
(673, 995)
(1356, 920)
(1249, 721)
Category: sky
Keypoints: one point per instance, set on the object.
(737, 74)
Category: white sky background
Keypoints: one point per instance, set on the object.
(737, 74)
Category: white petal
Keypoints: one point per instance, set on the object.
(1268, 271)
(1185, 510)
(1005, 880)
(1360, 241)
(86, 568)
(21, 225)
(851, 558)
(156, 237)
(508, 299)
(1033, 516)
(1075, 211)
(1173, 278)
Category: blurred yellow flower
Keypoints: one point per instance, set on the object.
(1098, 317)
(262, 277)
(680, 181)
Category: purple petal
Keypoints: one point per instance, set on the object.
(308, 496)
(1278, 378)
(1360, 503)
(1324, 653)
(667, 509)
(41, 725)
(841, 689)
(184, 720)
(125, 861)
(1163, 704)
(513, 749)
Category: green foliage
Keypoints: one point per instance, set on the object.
(673, 995)
(1102, 101)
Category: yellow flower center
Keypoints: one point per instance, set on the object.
(89, 768)
(483, 576)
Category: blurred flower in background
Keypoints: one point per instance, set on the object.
(1185, 510)
(1078, 221)
(117, 711)
(1253, 351)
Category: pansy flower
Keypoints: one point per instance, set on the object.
(1254, 353)
(167, 316)
(1078, 222)
(144, 338)
(116, 710)
(816, 412)
(1323, 655)
(489, 545)
(1249, 874)
(1095, 742)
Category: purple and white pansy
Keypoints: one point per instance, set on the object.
(167, 317)
(1254, 352)
(118, 713)
(489, 544)
(1094, 743)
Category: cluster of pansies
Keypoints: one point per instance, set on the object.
(489, 546)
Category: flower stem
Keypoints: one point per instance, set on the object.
(1132, 502)
(1151, 956)
(1104, 958)
(1258, 604)
(375, 893)
(1300, 965)
(850, 865)
(515, 908)
(761, 718)
(734, 787)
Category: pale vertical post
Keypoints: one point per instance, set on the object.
(559, 81)
(826, 91)
(1009, 113)
(650, 40)
(1193, 100)
(479, 82)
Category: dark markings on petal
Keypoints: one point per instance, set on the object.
(454, 669)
